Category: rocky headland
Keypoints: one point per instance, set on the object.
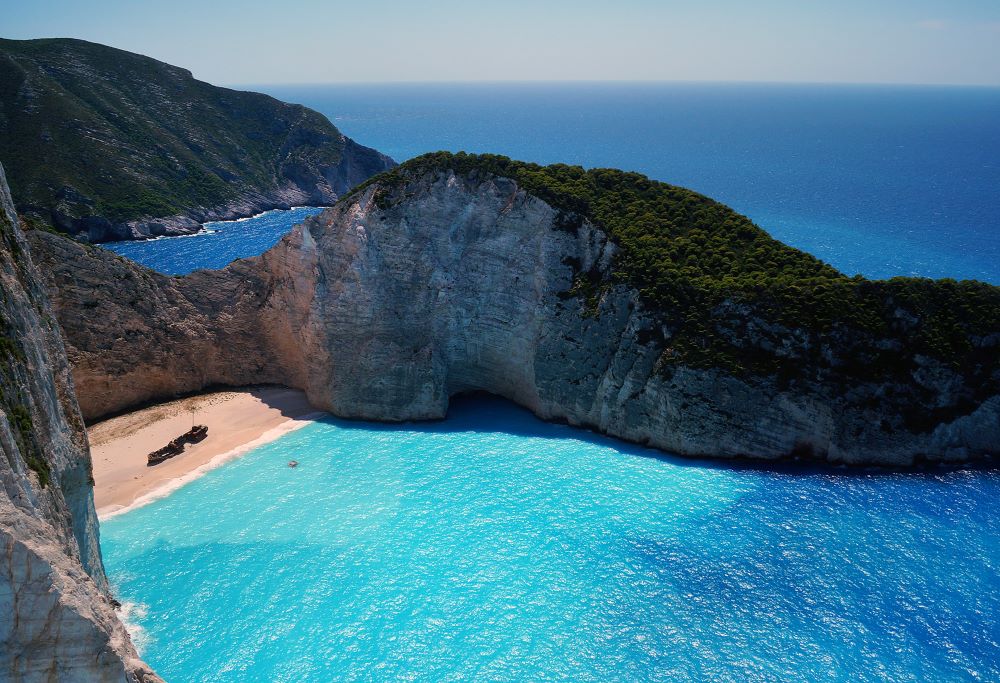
(109, 145)
(599, 298)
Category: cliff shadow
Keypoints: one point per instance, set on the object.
(484, 412)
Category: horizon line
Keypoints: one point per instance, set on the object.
(526, 81)
(610, 81)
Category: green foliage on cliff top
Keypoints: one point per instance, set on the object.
(91, 130)
(709, 272)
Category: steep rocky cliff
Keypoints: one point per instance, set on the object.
(57, 622)
(681, 326)
(134, 335)
(109, 145)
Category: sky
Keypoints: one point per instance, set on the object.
(240, 42)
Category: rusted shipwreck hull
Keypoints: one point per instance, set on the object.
(176, 446)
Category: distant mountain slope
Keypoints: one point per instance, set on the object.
(101, 142)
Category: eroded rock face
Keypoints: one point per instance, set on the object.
(57, 622)
(465, 285)
(137, 335)
(383, 310)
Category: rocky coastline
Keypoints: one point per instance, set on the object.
(437, 280)
(438, 283)
(359, 164)
(108, 145)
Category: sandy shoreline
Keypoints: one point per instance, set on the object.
(237, 421)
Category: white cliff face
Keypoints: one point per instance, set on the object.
(57, 622)
(384, 310)
(453, 294)
(463, 285)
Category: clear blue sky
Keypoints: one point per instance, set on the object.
(316, 41)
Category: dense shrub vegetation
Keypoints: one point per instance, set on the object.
(715, 279)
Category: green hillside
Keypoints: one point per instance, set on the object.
(91, 131)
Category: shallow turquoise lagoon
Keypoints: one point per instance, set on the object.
(495, 547)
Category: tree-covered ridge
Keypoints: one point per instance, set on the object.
(730, 295)
(89, 130)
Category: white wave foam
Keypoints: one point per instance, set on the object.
(249, 218)
(264, 213)
(172, 485)
(130, 613)
(202, 232)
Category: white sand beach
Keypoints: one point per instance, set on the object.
(237, 421)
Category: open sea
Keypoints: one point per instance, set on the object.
(494, 547)
(877, 180)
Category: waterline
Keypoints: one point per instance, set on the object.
(217, 244)
(177, 483)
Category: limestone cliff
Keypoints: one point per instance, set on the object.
(57, 622)
(442, 279)
(134, 335)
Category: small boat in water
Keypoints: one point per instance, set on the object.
(293, 463)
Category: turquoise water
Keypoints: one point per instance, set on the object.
(494, 547)
(219, 244)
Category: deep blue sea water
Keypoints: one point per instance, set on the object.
(877, 180)
(219, 244)
(495, 547)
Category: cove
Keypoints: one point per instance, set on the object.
(492, 546)
(217, 245)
